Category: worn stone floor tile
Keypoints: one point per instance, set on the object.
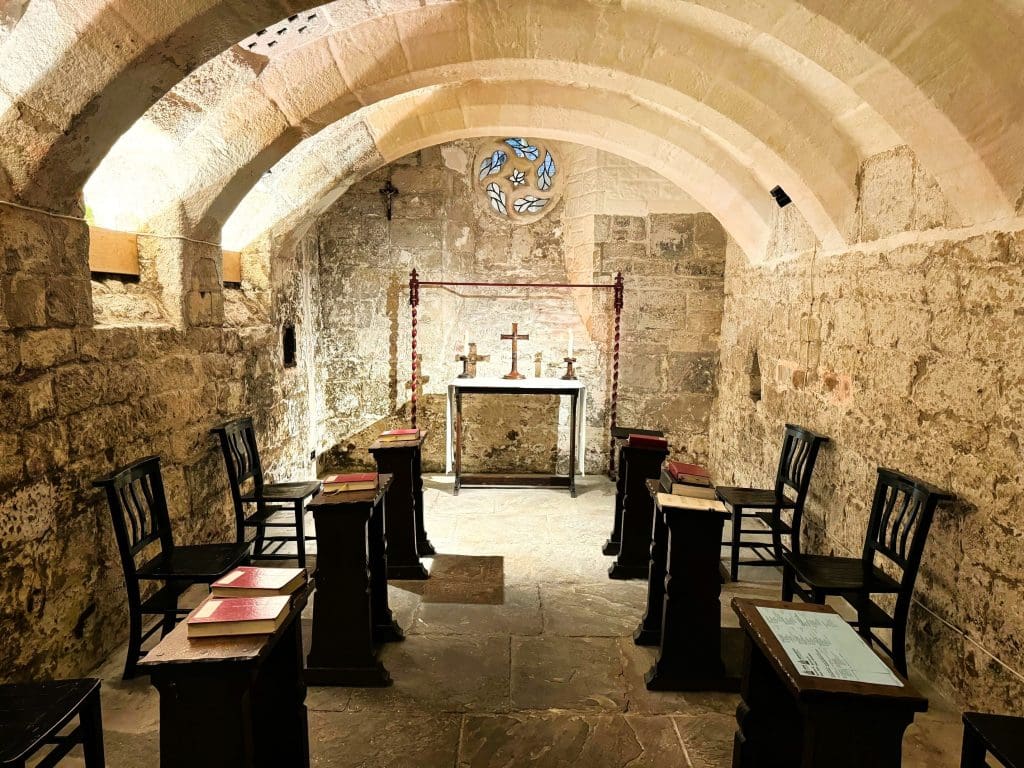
(562, 740)
(381, 740)
(611, 609)
(518, 614)
(578, 673)
(636, 660)
(707, 738)
(468, 579)
(434, 673)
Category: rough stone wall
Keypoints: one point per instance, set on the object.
(906, 350)
(673, 263)
(75, 402)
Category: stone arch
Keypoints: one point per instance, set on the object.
(899, 59)
(376, 136)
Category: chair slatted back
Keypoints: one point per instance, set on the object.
(242, 458)
(138, 508)
(800, 449)
(901, 515)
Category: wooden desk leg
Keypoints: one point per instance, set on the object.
(767, 716)
(614, 543)
(385, 628)
(573, 400)
(206, 717)
(458, 442)
(403, 561)
(649, 630)
(634, 558)
(91, 719)
(423, 546)
(691, 635)
(342, 651)
(278, 699)
(300, 534)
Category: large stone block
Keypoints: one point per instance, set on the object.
(25, 301)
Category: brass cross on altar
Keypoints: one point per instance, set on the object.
(514, 337)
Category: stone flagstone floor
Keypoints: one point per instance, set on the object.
(519, 653)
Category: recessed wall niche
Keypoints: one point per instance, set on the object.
(288, 348)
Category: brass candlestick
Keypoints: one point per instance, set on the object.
(465, 367)
(570, 372)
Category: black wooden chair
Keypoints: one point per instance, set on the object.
(901, 515)
(800, 448)
(32, 716)
(242, 457)
(138, 506)
(1001, 736)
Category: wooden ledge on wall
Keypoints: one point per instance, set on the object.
(113, 253)
(232, 266)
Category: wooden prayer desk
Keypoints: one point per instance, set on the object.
(789, 717)
(235, 701)
(685, 585)
(577, 393)
(619, 436)
(639, 465)
(403, 509)
(351, 616)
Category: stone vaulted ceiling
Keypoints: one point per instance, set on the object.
(177, 110)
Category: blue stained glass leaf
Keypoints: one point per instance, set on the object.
(523, 148)
(493, 164)
(529, 204)
(546, 172)
(497, 198)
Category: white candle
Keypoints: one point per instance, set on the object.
(570, 343)
(465, 343)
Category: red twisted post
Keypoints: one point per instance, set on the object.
(414, 301)
(619, 289)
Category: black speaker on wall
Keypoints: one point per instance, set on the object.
(781, 197)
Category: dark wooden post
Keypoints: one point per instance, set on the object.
(634, 556)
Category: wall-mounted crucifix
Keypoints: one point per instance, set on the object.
(389, 192)
(514, 337)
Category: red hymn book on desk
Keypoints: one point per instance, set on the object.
(247, 581)
(694, 474)
(238, 616)
(398, 435)
(357, 481)
(646, 441)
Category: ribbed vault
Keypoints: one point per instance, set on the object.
(798, 90)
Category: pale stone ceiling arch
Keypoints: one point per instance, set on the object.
(205, 199)
(946, 75)
(331, 76)
(306, 182)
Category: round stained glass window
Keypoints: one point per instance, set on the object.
(518, 178)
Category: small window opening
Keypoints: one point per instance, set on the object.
(288, 346)
(755, 379)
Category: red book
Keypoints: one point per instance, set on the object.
(678, 468)
(238, 616)
(356, 481)
(398, 435)
(247, 581)
(648, 442)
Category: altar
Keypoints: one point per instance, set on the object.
(573, 388)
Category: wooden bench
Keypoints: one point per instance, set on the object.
(814, 694)
(351, 615)
(619, 437)
(638, 465)
(237, 701)
(403, 511)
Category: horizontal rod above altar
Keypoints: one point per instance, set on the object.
(515, 285)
